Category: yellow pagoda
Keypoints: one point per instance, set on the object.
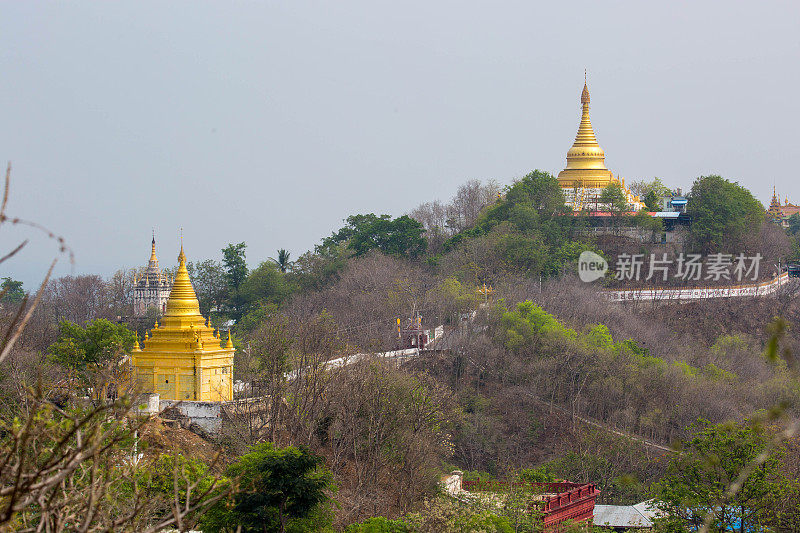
(183, 358)
(586, 175)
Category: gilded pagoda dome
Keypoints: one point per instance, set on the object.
(586, 166)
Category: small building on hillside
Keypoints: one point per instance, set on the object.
(674, 203)
(183, 358)
(412, 335)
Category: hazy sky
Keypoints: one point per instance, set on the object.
(271, 122)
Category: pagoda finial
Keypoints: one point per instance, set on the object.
(182, 299)
(585, 93)
(153, 258)
(181, 255)
(229, 344)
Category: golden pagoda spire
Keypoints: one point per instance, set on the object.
(229, 344)
(585, 151)
(586, 165)
(182, 302)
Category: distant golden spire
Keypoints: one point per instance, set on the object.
(153, 250)
(153, 264)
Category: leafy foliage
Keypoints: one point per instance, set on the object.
(401, 236)
(282, 261)
(723, 214)
(651, 201)
(95, 344)
(265, 284)
(794, 224)
(233, 260)
(529, 232)
(698, 478)
(210, 284)
(11, 290)
(614, 200)
(276, 485)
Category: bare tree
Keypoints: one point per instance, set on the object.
(469, 201)
(77, 299)
(433, 216)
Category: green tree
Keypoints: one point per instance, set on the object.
(699, 477)
(168, 478)
(614, 200)
(233, 260)
(400, 236)
(11, 291)
(652, 201)
(539, 190)
(276, 486)
(264, 285)
(91, 353)
(723, 213)
(210, 283)
(615, 203)
(84, 347)
(282, 261)
(314, 270)
(794, 225)
(643, 220)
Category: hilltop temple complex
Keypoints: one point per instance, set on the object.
(183, 358)
(586, 175)
(151, 289)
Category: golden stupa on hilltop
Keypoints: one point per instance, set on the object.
(586, 175)
(183, 358)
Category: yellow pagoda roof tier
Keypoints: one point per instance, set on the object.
(586, 165)
(182, 321)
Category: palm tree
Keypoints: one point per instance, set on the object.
(283, 260)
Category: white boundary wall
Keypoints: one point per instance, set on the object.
(699, 293)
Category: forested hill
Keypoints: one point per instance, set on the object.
(532, 354)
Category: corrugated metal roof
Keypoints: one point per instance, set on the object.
(647, 509)
(623, 515)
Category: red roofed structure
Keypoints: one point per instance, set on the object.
(560, 503)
